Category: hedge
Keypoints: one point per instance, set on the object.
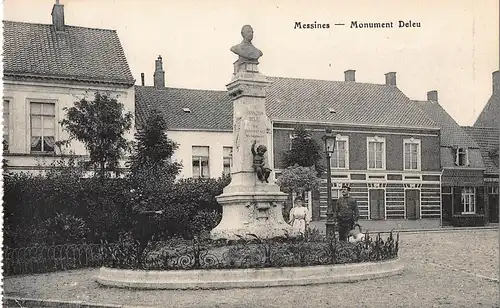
(64, 208)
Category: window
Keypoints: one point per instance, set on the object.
(340, 156)
(291, 136)
(493, 190)
(411, 154)
(376, 153)
(42, 118)
(200, 162)
(227, 159)
(336, 193)
(446, 190)
(468, 200)
(6, 125)
(461, 157)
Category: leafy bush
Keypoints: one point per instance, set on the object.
(93, 209)
(99, 209)
(64, 228)
(205, 220)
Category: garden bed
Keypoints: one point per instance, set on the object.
(248, 277)
(313, 249)
(179, 254)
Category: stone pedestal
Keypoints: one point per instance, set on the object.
(250, 206)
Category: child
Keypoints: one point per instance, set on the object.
(355, 235)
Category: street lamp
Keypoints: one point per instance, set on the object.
(330, 212)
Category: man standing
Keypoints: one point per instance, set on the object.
(347, 213)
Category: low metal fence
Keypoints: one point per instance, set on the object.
(41, 259)
(199, 254)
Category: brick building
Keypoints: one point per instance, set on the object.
(390, 161)
(486, 133)
(462, 190)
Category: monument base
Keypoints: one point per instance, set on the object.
(252, 210)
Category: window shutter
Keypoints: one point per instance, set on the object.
(480, 200)
(467, 157)
(457, 200)
(455, 154)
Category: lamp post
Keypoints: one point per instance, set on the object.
(330, 212)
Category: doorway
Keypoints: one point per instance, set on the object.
(412, 204)
(377, 204)
(493, 204)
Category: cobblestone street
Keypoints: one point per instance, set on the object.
(443, 269)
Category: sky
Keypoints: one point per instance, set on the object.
(454, 51)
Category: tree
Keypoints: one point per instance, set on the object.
(153, 149)
(305, 151)
(298, 180)
(152, 175)
(100, 125)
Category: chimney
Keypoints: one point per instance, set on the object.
(142, 79)
(432, 96)
(159, 75)
(58, 16)
(350, 75)
(496, 82)
(390, 79)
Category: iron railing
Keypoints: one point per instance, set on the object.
(200, 254)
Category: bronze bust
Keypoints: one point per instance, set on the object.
(246, 51)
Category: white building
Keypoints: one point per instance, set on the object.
(200, 121)
(48, 67)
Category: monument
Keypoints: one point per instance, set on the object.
(252, 203)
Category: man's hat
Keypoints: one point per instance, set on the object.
(345, 186)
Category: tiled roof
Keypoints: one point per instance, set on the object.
(208, 110)
(78, 53)
(353, 102)
(452, 134)
(490, 116)
(288, 99)
(488, 141)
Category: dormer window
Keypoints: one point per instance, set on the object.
(461, 157)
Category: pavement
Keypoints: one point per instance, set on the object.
(448, 269)
(403, 225)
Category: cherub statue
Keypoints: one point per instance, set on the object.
(258, 162)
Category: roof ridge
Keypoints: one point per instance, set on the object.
(337, 81)
(178, 88)
(71, 26)
(448, 124)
